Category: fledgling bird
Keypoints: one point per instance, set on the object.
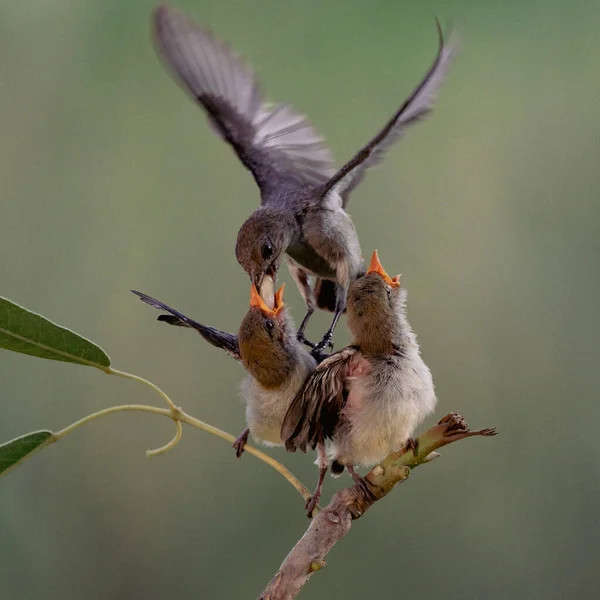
(303, 196)
(368, 398)
(276, 362)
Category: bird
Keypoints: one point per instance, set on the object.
(364, 401)
(303, 196)
(276, 362)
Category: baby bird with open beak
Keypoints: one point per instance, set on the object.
(276, 362)
(277, 366)
(368, 398)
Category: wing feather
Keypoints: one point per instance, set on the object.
(315, 412)
(215, 337)
(417, 106)
(274, 142)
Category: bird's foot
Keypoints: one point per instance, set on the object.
(326, 342)
(302, 339)
(311, 503)
(318, 355)
(412, 444)
(240, 442)
(364, 487)
(362, 484)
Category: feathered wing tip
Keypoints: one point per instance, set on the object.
(215, 337)
(315, 412)
(266, 137)
(417, 106)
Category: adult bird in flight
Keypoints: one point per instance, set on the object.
(303, 197)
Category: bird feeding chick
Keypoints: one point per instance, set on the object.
(276, 362)
(365, 401)
(303, 196)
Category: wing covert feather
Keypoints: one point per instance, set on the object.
(315, 412)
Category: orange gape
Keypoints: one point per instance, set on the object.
(376, 267)
(257, 301)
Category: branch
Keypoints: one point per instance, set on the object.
(333, 522)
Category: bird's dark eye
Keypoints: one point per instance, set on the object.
(267, 250)
(269, 325)
(389, 292)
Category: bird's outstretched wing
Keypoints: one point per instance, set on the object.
(315, 412)
(219, 339)
(417, 106)
(274, 142)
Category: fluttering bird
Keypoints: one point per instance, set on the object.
(366, 400)
(303, 197)
(276, 362)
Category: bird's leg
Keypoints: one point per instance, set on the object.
(412, 444)
(240, 442)
(301, 277)
(314, 499)
(361, 483)
(327, 341)
(341, 293)
(300, 333)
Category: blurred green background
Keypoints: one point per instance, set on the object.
(111, 180)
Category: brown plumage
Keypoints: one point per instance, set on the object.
(365, 401)
(276, 362)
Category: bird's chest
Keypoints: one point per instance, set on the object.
(265, 410)
(383, 409)
(306, 256)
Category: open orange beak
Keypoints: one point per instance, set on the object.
(257, 301)
(375, 267)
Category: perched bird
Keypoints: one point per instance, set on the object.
(276, 362)
(369, 397)
(303, 196)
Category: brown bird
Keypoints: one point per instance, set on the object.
(276, 362)
(368, 398)
(303, 196)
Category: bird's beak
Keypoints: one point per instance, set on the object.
(256, 279)
(256, 301)
(375, 267)
(265, 285)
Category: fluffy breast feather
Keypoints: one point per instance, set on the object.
(385, 405)
(266, 408)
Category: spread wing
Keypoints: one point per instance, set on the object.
(274, 142)
(417, 106)
(219, 339)
(315, 412)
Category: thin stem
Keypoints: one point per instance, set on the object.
(171, 444)
(109, 411)
(178, 415)
(302, 489)
(125, 375)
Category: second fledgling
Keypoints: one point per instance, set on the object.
(276, 362)
(368, 398)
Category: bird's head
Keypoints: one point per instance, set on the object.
(266, 340)
(261, 243)
(375, 302)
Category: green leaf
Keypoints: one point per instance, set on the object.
(16, 450)
(24, 331)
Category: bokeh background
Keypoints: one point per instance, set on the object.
(111, 180)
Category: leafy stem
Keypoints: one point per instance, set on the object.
(24, 331)
(179, 416)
